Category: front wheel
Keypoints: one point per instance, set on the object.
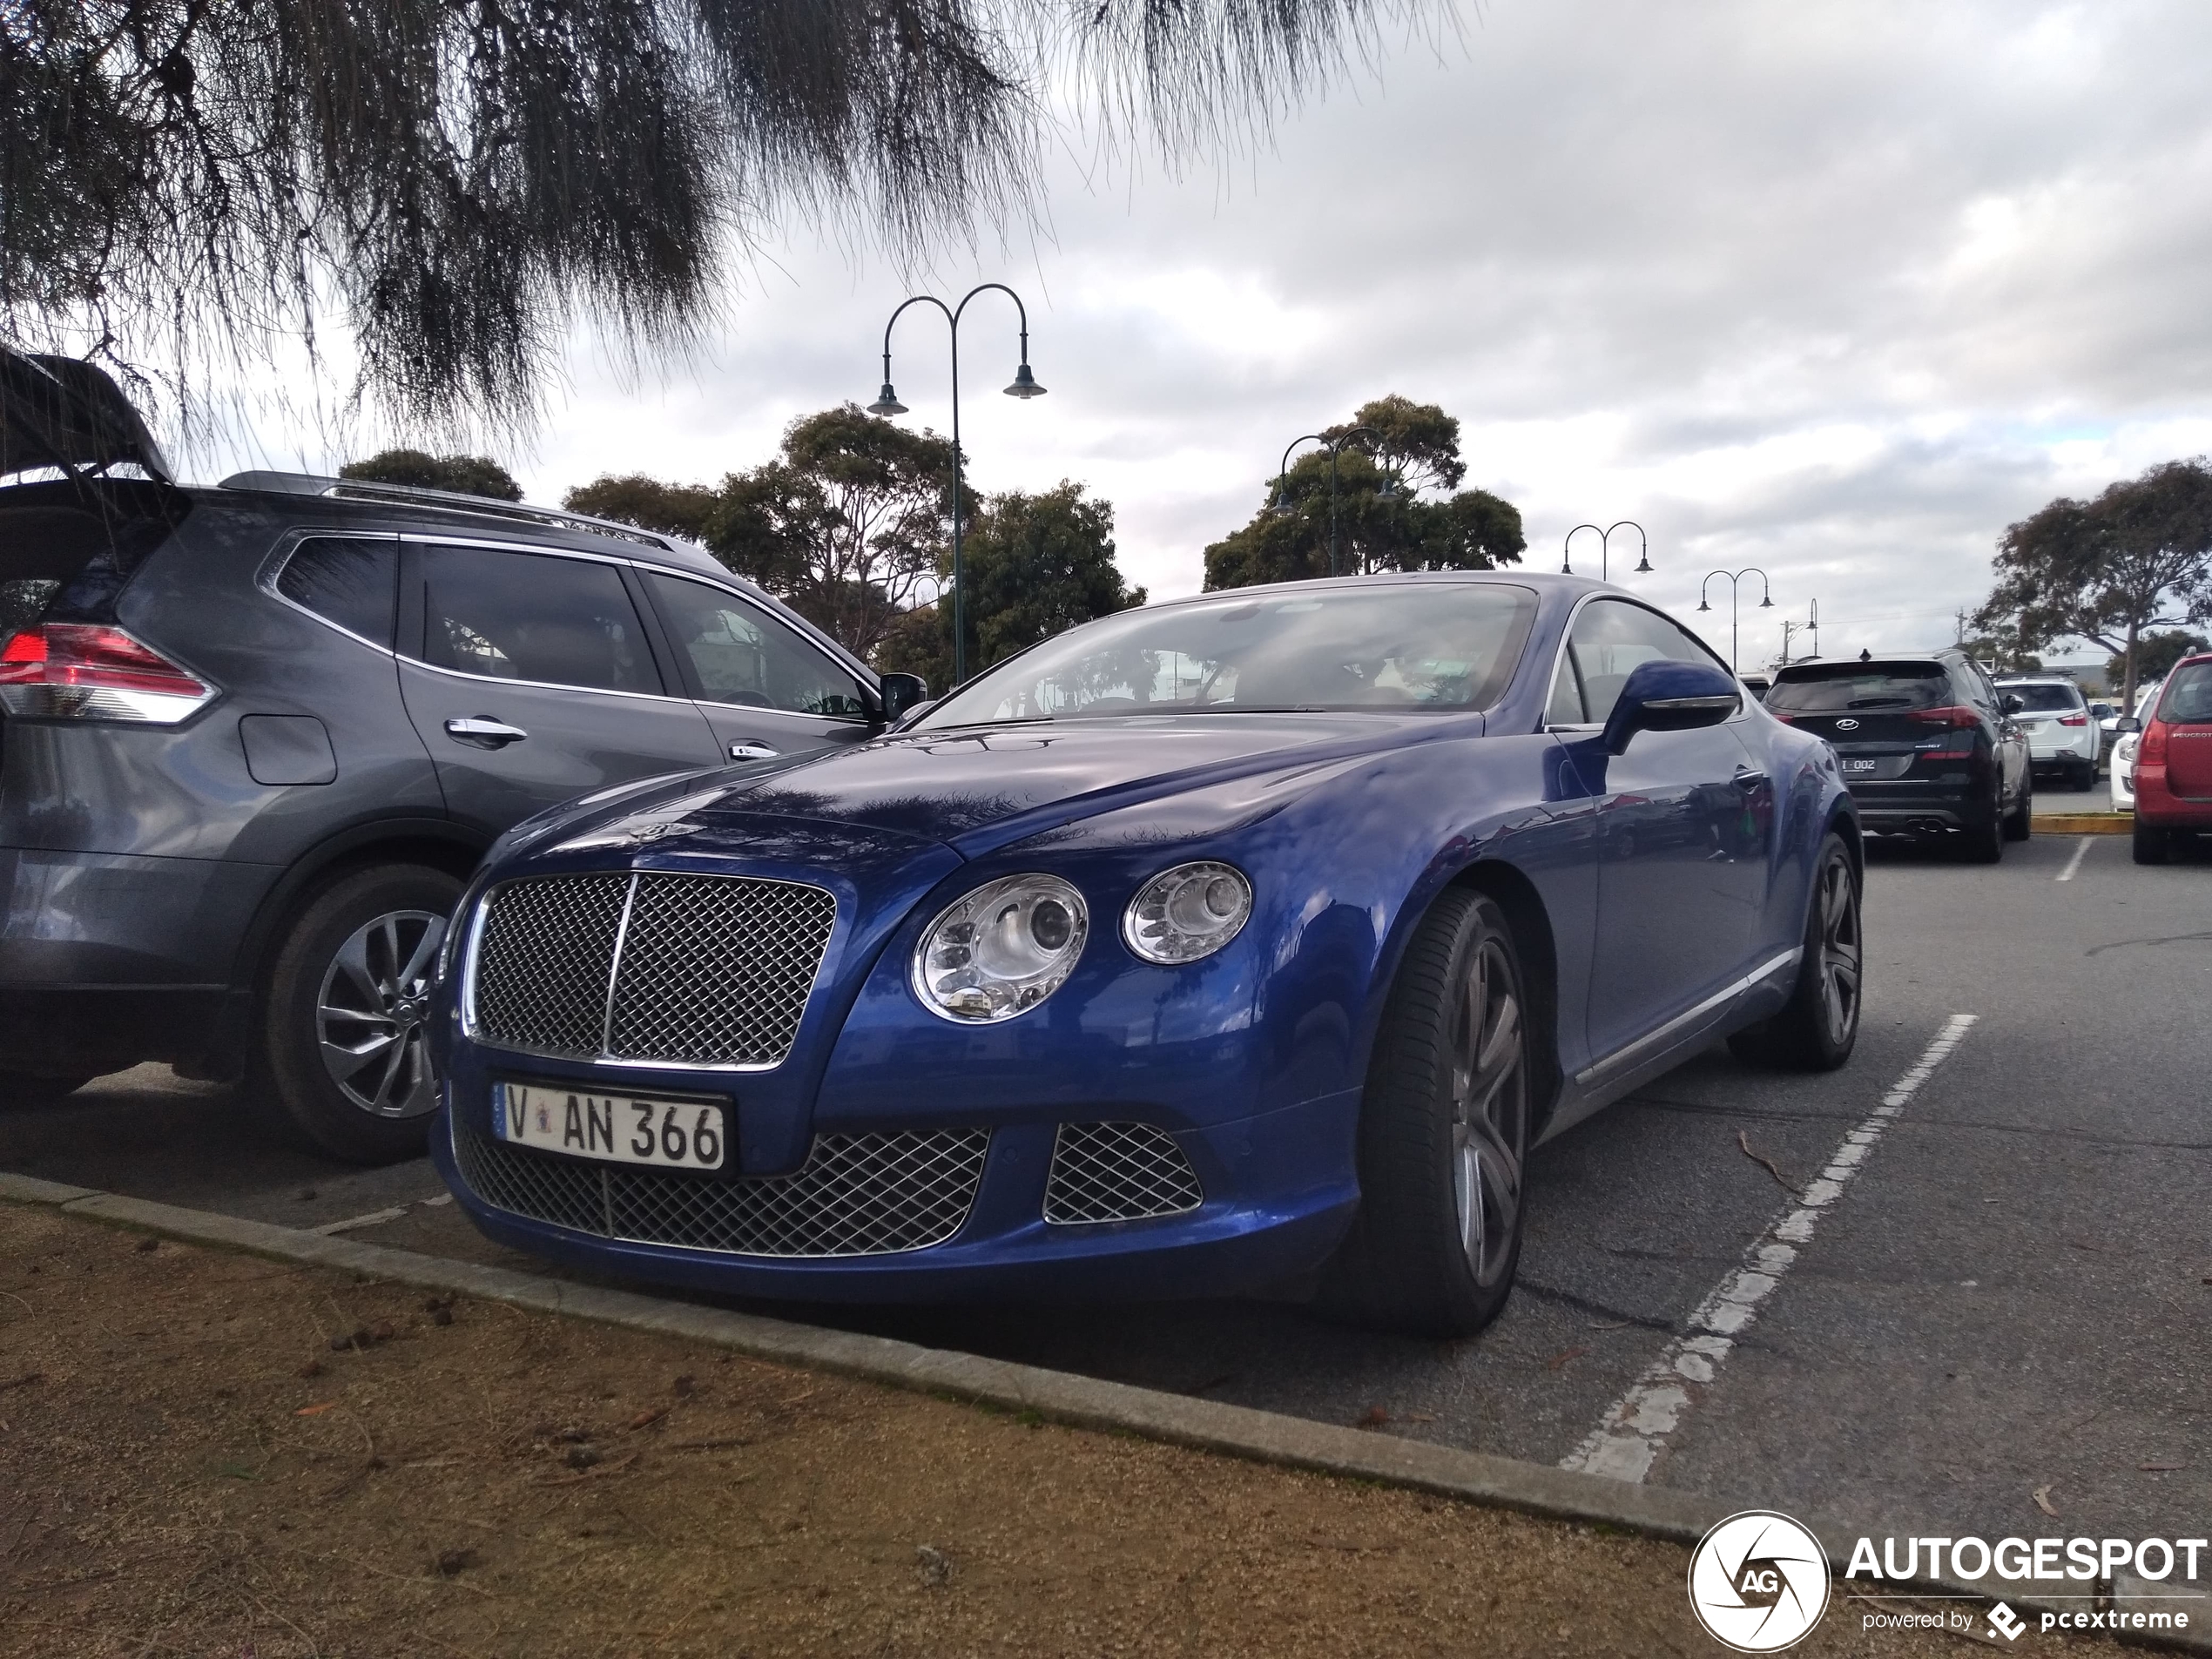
(345, 1035)
(1443, 1134)
(1817, 1027)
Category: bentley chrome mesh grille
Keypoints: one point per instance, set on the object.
(1119, 1172)
(701, 970)
(857, 1195)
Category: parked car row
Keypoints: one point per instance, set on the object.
(1240, 940)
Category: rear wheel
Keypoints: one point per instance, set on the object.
(1984, 843)
(2153, 845)
(2085, 775)
(344, 1035)
(26, 1088)
(1443, 1134)
(1818, 1028)
(2020, 823)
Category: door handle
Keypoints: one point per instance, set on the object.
(1750, 781)
(483, 729)
(751, 752)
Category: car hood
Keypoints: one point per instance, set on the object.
(978, 788)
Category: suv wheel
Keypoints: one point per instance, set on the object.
(1443, 1134)
(1984, 843)
(345, 1036)
(2152, 844)
(2020, 823)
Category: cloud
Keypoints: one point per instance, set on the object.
(1835, 291)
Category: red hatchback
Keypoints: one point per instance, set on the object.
(2174, 761)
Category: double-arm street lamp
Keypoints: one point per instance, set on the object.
(1766, 601)
(1025, 386)
(1605, 548)
(1281, 506)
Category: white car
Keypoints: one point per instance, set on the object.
(2123, 752)
(2062, 736)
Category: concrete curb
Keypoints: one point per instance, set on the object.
(1076, 1401)
(2084, 822)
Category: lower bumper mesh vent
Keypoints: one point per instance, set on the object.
(857, 1195)
(1119, 1172)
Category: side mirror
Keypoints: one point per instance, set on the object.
(2013, 704)
(1670, 697)
(900, 693)
(2128, 723)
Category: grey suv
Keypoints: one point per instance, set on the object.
(254, 737)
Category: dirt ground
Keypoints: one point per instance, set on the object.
(208, 1453)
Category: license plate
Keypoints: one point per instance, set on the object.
(616, 1128)
(1860, 765)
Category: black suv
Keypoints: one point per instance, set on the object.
(254, 737)
(1928, 745)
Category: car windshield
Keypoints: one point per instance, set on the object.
(2041, 699)
(2187, 700)
(1849, 688)
(1410, 645)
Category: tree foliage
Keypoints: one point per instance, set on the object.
(683, 511)
(2155, 655)
(465, 179)
(2137, 557)
(1036, 566)
(466, 474)
(1383, 522)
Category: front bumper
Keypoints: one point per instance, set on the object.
(1279, 1191)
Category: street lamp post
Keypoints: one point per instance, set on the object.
(1766, 601)
(1281, 506)
(1605, 548)
(1025, 386)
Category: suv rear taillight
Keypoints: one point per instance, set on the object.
(75, 670)
(1950, 717)
(2151, 752)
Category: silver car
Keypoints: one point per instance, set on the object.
(2062, 735)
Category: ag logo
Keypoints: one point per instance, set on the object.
(1758, 1581)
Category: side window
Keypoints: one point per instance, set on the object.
(741, 655)
(351, 582)
(1565, 705)
(532, 616)
(1977, 689)
(1612, 638)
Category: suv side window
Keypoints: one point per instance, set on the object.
(522, 616)
(351, 580)
(741, 655)
(1565, 705)
(1611, 637)
(1972, 682)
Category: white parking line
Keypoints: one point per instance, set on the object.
(378, 1217)
(1630, 1437)
(2080, 851)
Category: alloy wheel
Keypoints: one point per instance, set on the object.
(1839, 949)
(373, 1015)
(1489, 1109)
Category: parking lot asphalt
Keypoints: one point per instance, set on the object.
(2013, 1296)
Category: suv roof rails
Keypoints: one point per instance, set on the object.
(308, 484)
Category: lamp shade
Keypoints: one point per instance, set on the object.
(888, 403)
(1025, 384)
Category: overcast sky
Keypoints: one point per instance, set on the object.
(1838, 291)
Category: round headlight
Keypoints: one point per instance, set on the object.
(1186, 912)
(1002, 948)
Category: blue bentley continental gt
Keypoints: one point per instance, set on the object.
(1247, 940)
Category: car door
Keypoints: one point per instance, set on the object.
(2009, 735)
(764, 687)
(528, 674)
(1682, 855)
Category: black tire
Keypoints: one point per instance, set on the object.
(380, 918)
(2020, 823)
(27, 1089)
(2085, 775)
(1817, 1027)
(1443, 1134)
(1984, 843)
(2153, 846)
